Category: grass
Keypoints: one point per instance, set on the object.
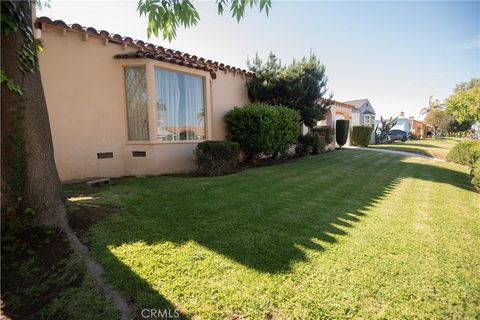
(345, 234)
(437, 148)
(43, 279)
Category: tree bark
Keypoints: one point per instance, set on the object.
(26, 127)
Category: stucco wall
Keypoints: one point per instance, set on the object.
(84, 89)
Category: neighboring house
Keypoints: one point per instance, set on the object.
(338, 110)
(411, 125)
(402, 124)
(119, 106)
(363, 114)
(418, 128)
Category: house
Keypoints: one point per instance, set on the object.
(119, 106)
(338, 110)
(402, 124)
(410, 125)
(363, 114)
(418, 128)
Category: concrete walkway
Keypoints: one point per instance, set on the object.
(402, 153)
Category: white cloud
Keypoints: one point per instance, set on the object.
(473, 43)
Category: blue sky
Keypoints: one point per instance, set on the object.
(396, 54)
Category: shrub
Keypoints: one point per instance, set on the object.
(465, 152)
(476, 176)
(215, 158)
(468, 153)
(321, 145)
(263, 129)
(361, 135)
(342, 131)
(311, 143)
(299, 86)
(326, 132)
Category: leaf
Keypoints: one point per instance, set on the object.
(165, 16)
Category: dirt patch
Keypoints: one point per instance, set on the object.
(84, 216)
(33, 261)
(38, 265)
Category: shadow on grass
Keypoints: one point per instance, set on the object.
(417, 145)
(262, 218)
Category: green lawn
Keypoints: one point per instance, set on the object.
(345, 234)
(437, 148)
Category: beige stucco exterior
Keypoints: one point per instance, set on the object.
(338, 111)
(84, 89)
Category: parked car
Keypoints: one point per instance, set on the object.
(397, 135)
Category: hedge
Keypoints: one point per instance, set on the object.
(215, 158)
(468, 153)
(361, 135)
(342, 131)
(325, 131)
(263, 129)
(465, 152)
(311, 143)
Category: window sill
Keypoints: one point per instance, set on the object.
(163, 142)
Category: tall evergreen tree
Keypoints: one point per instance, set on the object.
(300, 86)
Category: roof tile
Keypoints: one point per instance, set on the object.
(147, 50)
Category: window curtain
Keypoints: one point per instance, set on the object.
(137, 103)
(180, 106)
(168, 104)
(194, 108)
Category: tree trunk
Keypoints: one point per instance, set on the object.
(29, 175)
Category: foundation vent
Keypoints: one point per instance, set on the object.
(139, 153)
(104, 155)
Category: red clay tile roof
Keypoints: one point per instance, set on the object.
(338, 104)
(147, 50)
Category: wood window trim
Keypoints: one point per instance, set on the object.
(150, 66)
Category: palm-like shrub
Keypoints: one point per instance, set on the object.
(383, 128)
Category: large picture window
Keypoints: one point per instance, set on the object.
(179, 105)
(137, 103)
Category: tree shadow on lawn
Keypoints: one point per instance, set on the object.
(409, 144)
(261, 218)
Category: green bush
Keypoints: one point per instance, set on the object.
(321, 145)
(263, 129)
(215, 158)
(311, 143)
(342, 132)
(326, 132)
(465, 152)
(476, 176)
(361, 135)
(468, 153)
(299, 86)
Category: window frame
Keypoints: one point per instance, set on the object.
(150, 66)
(365, 117)
(204, 92)
(125, 107)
